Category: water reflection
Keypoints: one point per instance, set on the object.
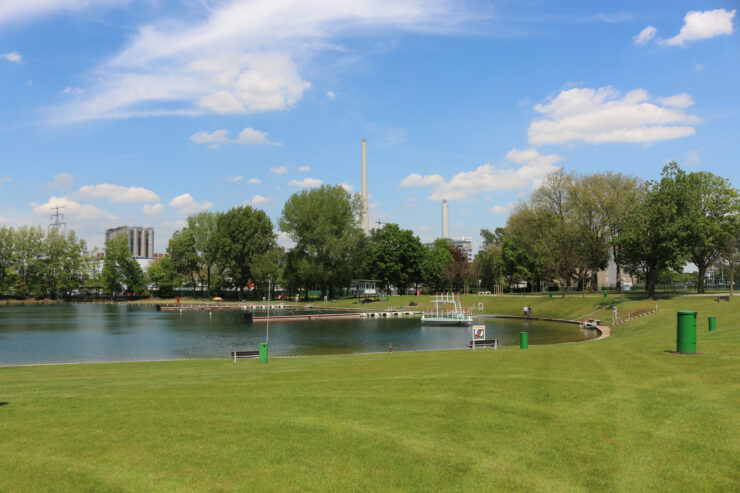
(79, 333)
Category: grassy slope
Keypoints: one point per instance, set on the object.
(618, 414)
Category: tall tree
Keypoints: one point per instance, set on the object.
(711, 207)
(181, 250)
(202, 228)
(324, 224)
(654, 233)
(394, 257)
(7, 255)
(433, 263)
(243, 234)
(161, 273)
(731, 249)
(121, 271)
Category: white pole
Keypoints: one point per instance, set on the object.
(269, 288)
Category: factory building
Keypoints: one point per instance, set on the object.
(140, 240)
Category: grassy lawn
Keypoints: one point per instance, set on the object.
(620, 414)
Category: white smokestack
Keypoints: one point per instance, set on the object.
(445, 220)
(365, 215)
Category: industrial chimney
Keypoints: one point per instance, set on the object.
(445, 220)
(365, 215)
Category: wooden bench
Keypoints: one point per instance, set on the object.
(723, 298)
(484, 343)
(244, 354)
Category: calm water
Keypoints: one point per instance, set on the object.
(76, 333)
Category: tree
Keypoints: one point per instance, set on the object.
(268, 267)
(324, 224)
(433, 263)
(121, 271)
(161, 273)
(243, 234)
(731, 249)
(488, 265)
(7, 255)
(63, 264)
(653, 235)
(457, 273)
(711, 206)
(181, 251)
(202, 231)
(28, 247)
(394, 257)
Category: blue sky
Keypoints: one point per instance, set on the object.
(142, 112)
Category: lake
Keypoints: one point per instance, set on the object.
(97, 333)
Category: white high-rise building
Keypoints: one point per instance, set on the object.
(465, 245)
(445, 220)
(140, 240)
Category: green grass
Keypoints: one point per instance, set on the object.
(620, 414)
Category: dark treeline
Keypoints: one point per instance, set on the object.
(566, 232)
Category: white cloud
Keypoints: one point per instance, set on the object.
(416, 180)
(186, 204)
(304, 169)
(600, 115)
(645, 35)
(11, 11)
(4, 180)
(280, 170)
(535, 166)
(152, 208)
(3, 220)
(235, 178)
(421, 229)
(703, 25)
(257, 200)
(284, 240)
(13, 56)
(240, 56)
(331, 95)
(72, 90)
(692, 158)
(306, 183)
(117, 193)
(248, 136)
(682, 100)
(503, 209)
(254, 181)
(347, 186)
(71, 209)
(61, 181)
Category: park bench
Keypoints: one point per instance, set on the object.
(484, 343)
(725, 297)
(244, 354)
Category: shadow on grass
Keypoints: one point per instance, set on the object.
(3, 404)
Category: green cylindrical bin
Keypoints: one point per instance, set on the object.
(263, 352)
(712, 324)
(686, 332)
(523, 340)
(550, 294)
(605, 293)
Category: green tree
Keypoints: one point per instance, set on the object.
(63, 265)
(731, 250)
(711, 208)
(394, 257)
(324, 224)
(28, 252)
(268, 267)
(654, 236)
(7, 256)
(488, 265)
(181, 251)
(433, 263)
(243, 234)
(202, 228)
(161, 273)
(121, 271)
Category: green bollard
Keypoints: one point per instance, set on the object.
(263, 352)
(686, 332)
(550, 294)
(605, 293)
(712, 324)
(523, 340)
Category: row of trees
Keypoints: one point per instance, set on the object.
(572, 225)
(39, 263)
(216, 250)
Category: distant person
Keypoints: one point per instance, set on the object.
(531, 313)
(526, 311)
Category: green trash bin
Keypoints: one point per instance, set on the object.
(263, 352)
(523, 340)
(605, 293)
(686, 332)
(712, 324)
(550, 294)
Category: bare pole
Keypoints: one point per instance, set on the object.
(269, 288)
